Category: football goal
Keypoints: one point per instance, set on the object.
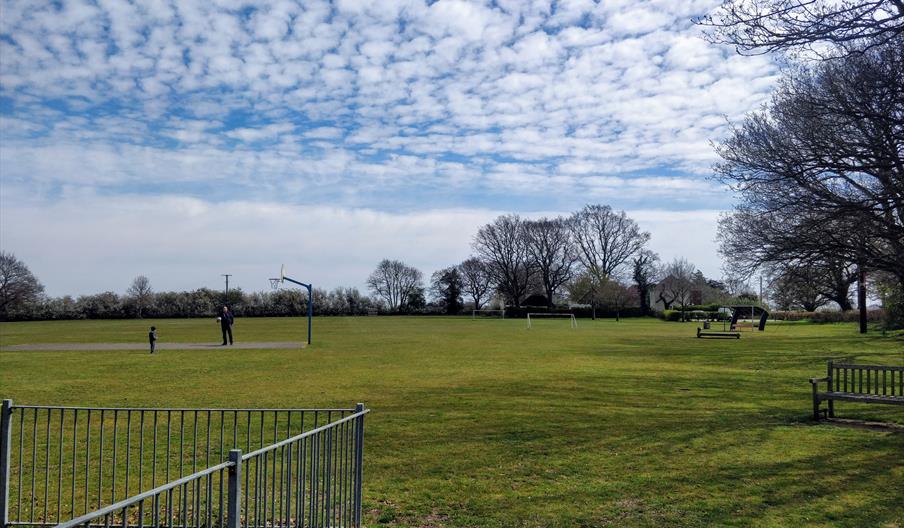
(488, 313)
(570, 316)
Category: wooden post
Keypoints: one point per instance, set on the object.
(831, 403)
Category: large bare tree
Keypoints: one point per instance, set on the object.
(503, 246)
(395, 282)
(552, 253)
(605, 239)
(825, 28)
(477, 282)
(18, 286)
(820, 171)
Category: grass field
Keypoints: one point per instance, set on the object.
(486, 423)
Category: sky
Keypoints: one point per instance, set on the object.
(184, 140)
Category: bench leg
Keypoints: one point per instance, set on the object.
(815, 404)
(831, 408)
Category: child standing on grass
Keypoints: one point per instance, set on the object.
(152, 337)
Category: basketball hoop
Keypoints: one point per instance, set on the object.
(275, 282)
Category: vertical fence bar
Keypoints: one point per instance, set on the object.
(6, 437)
(359, 461)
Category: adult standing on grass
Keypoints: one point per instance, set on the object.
(226, 321)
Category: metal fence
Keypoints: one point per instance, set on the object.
(105, 466)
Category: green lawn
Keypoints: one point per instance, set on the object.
(486, 423)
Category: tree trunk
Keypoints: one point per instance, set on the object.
(861, 297)
(644, 300)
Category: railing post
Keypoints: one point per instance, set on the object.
(359, 461)
(234, 495)
(6, 412)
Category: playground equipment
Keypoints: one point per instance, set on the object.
(742, 310)
(731, 328)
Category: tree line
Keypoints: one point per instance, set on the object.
(596, 258)
(593, 260)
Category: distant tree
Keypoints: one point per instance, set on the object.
(18, 286)
(394, 282)
(446, 285)
(644, 269)
(677, 283)
(617, 296)
(814, 283)
(826, 28)
(503, 246)
(416, 300)
(605, 239)
(140, 293)
(477, 282)
(551, 252)
(585, 288)
(106, 305)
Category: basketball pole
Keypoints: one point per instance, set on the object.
(310, 302)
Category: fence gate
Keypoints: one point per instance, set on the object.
(180, 468)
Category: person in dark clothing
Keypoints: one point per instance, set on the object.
(226, 321)
(152, 337)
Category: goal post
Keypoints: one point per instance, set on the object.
(487, 313)
(561, 315)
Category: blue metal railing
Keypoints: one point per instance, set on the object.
(62, 463)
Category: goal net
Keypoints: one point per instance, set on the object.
(497, 314)
(569, 316)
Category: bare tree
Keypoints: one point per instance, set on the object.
(18, 286)
(140, 293)
(677, 283)
(552, 253)
(644, 268)
(820, 171)
(617, 295)
(795, 289)
(395, 282)
(476, 281)
(605, 239)
(836, 28)
(503, 246)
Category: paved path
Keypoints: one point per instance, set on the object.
(144, 346)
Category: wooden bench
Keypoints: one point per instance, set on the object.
(716, 333)
(858, 383)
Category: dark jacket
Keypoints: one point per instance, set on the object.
(226, 319)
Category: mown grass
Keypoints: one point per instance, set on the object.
(486, 423)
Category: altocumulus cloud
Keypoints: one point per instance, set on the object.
(337, 111)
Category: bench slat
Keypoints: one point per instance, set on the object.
(865, 398)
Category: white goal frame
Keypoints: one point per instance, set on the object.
(475, 312)
(574, 322)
